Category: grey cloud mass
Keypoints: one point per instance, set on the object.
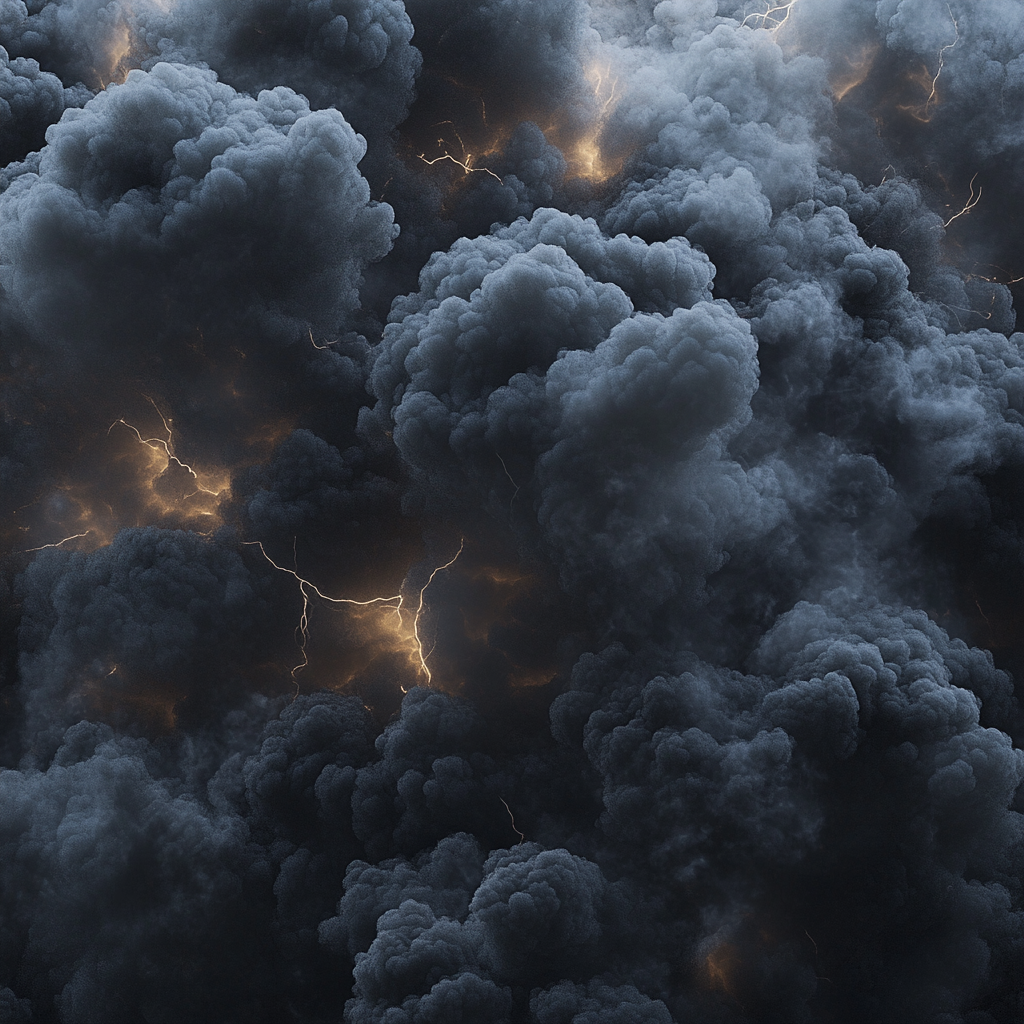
(511, 511)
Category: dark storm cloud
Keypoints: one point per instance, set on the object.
(723, 431)
(350, 54)
(473, 357)
(857, 719)
(155, 615)
(76, 40)
(453, 935)
(174, 171)
(192, 874)
(170, 226)
(31, 101)
(484, 48)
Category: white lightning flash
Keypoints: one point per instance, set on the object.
(396, 601)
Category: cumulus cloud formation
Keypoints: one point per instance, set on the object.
(511, 511)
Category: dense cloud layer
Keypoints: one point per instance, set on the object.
(511, 511)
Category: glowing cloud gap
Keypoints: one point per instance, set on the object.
(397, 600)
(167, 445)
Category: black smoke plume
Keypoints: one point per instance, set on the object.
(511, 511)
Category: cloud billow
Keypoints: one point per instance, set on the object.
(511, 511)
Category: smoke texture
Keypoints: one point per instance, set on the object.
(511, 511)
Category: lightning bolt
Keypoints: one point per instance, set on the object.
(994, 280)
(522, 838)
(510, 480)
(942, 62)
(772, 13)
(466, 163)
(972, 202)
(319, 348)
(419, 609)
(166, 444)
(598, 79)
(308, 588)
(57, 544)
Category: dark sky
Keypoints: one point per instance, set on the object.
(511, 511)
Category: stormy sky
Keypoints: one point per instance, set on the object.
(511, 511)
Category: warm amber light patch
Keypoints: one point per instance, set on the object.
(852, 70)
(719, 969)
(392, 621)
(585, 154)
(119, 57)
(135, 473)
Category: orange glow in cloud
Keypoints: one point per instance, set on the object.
(850, 71)
(585, 154)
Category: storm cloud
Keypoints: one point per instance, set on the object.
(511, 511)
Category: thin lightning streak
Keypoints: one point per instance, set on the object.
(467, 163)
(302, 630)
(815, 945)
(952, 309)
(522, 838)
(964, 309)
(455, 132)
(599, 85)
(57, 544)
(510, 480)
(303, 636)
(942, 61)
(419, 610)
(319, 348)
(770, 13)
(316, 590)
(467, 167)
(971, 203)
(157, 442)
(995, 281)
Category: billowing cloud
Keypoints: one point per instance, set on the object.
(511, 511)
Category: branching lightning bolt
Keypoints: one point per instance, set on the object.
(167, 445)
(971, 203)
(965, 309)
(306, 588)
(994, 280)
(510, 480)
(419, 609)
(598, 77)
(772, 13)
(467, 163)
(319, 348)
